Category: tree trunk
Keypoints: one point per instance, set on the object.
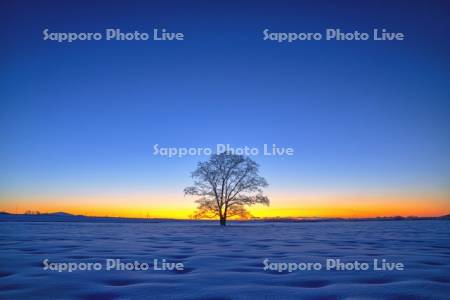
(223, 221)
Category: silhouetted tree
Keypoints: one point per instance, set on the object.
(226, 183)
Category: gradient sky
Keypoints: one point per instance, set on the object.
(369, 121)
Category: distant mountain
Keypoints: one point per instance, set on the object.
(60, 213)
(67, 217)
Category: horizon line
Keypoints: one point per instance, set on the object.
(63, 213)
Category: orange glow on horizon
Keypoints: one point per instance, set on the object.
(281, 206)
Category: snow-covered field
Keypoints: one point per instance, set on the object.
(226, 263)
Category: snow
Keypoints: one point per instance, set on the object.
(225, 263)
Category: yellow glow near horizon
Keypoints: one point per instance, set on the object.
(166, 206)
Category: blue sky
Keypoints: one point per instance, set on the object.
(362, 116)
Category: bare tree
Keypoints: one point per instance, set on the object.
(225, 184)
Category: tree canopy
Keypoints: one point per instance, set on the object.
(225, 185)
